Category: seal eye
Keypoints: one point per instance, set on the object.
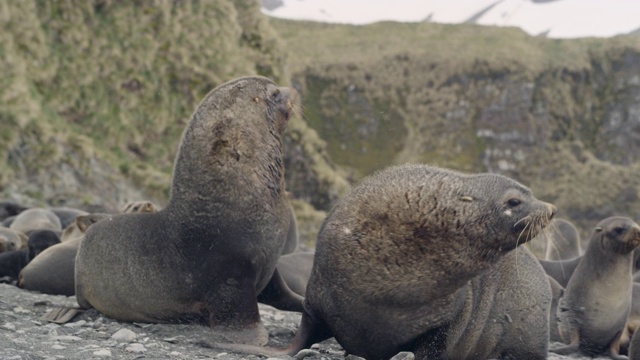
(513, 202)
(619, 230)
(276, 94)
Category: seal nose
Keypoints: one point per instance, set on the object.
(552, 210)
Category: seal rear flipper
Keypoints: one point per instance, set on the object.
(278, 295)
(311, 331)
(61, 315)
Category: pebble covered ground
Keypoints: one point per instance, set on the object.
(24, 336)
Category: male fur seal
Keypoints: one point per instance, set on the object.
(52, 272)
(593, 311)
(395, 258)
(212, 251)
(563, 241)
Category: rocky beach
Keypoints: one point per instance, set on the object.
(90, 335)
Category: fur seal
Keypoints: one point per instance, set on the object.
(52, 272)
(563, 241)
(213, 249)
(295, 270)
(15, 240)
(36, 219)
(594, 308)
(395, 256)
(12, 262)
(140, 207)
(505, 314)
(9, 209)
(634, 346)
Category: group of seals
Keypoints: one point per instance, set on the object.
(52, 272)
(211, 253)
(593, 311)
(404, 263)
(12, 262)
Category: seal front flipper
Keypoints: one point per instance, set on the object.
(278, 295)
(312, 330)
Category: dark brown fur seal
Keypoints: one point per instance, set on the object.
(594, 308)
(395, 256)
(52, 272)
(563, 241)
(212, 251)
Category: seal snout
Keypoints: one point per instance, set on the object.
(551, 210)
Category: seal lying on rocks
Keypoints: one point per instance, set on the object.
(593, 311)
(211, 253)
(395, 258)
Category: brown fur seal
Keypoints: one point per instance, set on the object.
(295, 270)
(560, 270)
(52, 272)
(563, 241)
(140, 207)
(36, 219)
(212, 251)
(593, 310)
(506, 313)
(395, 258)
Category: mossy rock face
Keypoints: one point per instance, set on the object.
(103, 90)
(561, 116)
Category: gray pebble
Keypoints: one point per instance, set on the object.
(404, 356)
(102, 353)
(136, 348)
(124, 335)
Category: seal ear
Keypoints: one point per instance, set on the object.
(598, 229)
(466, 198)
(84, 222)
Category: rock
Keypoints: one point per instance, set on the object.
(136, 348)
(124, 335)
(75, 324)
(102, 353)
(9, 326)
(306, 353)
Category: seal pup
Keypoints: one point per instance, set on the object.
(15, 240)
(395, 256)
(295, 270)
(594, 308)
(12, 262)
(563, 241)
(36, 219)
(212, 251)
(560, 270)
(52, 272)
